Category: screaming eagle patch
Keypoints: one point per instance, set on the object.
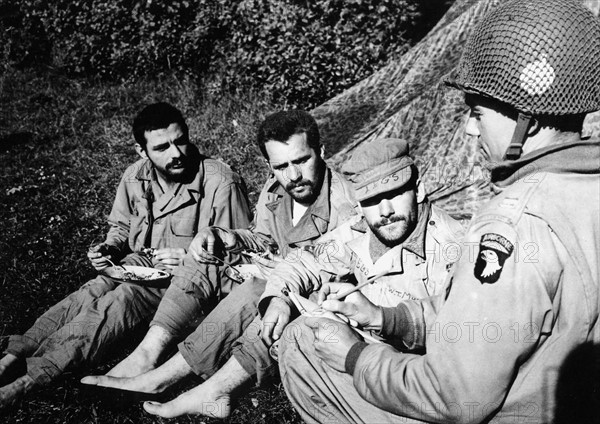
(494, 249)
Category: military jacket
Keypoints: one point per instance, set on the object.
(413, 270)
(514, 339)
(272, 230)
(143, 216)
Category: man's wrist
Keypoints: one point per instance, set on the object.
(229, 238)
(377, 323)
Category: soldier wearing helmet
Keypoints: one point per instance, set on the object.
(516, 337)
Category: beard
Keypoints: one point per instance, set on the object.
(177, 171)
(393, 230)
(181, 170)
(303, 192)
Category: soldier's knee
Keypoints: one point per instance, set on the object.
(296, 335)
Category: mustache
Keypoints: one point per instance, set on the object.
(387, 221)
(175, 162)
(301, 183)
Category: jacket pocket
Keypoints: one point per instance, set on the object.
(182, 226)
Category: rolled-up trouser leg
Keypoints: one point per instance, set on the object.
(57, 316)
(92, 333)
(64, 311)
(252, 353)
(195, 289)
(319, 393)
(210, 345)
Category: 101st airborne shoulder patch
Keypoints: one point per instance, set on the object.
(494, 249)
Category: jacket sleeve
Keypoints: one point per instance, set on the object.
(119, 218)
(494, 317)
(303, 270)
(257, 236)
(231, 208)
(408, 323)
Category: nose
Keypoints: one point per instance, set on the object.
(175, 151)
(294, 173)
(385, 208)
(471, 128)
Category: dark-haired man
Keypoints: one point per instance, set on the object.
(398, 236)
(162, 201)
(516, 337)
(302, 201)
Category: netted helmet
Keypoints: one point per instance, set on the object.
(540, 56)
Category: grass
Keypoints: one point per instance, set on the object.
(63, 146)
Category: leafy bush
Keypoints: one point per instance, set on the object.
(303, 51)
(313, 50)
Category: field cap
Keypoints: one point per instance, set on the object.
(378, 167)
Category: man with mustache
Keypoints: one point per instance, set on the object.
(303, 200)
(398, 232)
(162, 201)
(517, 336)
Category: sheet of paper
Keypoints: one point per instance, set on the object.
(306, 307)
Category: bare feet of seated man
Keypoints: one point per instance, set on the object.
(146, 355)
(212, 398)
(11, 368)
(154, 381)
(10, 393)
(13, 380)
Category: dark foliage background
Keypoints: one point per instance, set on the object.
(301, 51)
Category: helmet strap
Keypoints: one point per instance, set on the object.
(515, 147)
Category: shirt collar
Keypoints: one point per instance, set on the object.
(416, 241)
(175, 197)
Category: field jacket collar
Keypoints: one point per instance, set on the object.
(572, 156)
(315, 220)
(181, 195)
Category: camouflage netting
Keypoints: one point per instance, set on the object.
(406, 100)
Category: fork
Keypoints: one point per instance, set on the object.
(116, 266)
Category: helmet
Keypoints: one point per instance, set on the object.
(541, 57)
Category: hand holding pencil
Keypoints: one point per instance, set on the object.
(354, 306)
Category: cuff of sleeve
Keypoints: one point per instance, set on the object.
(398, 324)
(263, 303)
(352, 356)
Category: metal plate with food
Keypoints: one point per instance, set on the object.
(142, 275)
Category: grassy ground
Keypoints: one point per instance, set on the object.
(63, 147)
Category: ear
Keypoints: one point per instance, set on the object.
(140, 151)
(420, 192)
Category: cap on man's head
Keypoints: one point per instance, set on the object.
(378, 167)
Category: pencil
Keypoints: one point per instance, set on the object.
(340, 296)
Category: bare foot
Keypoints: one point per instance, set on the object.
(199, 400)
(146, 356)
(212, 398)
(153, 381)
(141, 360)
(11, 367)
(9, 394)
(132, 384)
